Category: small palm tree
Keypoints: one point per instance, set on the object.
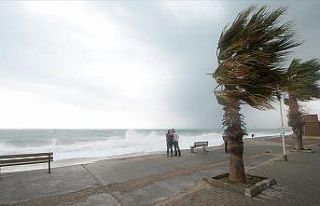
(249, 54)
(301, 84)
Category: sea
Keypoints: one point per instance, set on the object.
(79, 146)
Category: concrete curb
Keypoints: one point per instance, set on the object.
(259, 187)
(250, 192)
(302, 151)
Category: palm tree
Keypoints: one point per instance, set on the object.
(301, 84)
(250, 52)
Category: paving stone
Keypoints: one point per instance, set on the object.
(99, 200)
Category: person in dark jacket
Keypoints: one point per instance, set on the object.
(225, 139)
(169, 139)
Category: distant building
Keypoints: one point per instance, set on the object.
(311, 125)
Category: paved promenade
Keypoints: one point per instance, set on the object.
(158, 180)
(298, 183)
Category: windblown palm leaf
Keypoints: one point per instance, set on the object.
(303, 79)
(250, 53)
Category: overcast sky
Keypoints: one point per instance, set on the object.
(125, 64)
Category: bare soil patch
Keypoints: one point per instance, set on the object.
(250, 180)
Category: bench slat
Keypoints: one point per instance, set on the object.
(26, 155)
(25, 160)
(198, 144)
(25, 163)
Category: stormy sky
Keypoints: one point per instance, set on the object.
(125, 64)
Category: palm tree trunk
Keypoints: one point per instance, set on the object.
(236, 167)
(233, 121)
(297, 139)
(295, 121)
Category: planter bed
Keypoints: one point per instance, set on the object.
(254, 185)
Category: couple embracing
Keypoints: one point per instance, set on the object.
(173, 140)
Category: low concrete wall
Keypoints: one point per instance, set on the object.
(311, 125)
(311, 137)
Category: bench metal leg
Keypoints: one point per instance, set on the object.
(192, 149)
(205, 149)
(49, 166)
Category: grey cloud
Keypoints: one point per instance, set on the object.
(192, 43)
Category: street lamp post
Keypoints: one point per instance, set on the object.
(285, 158)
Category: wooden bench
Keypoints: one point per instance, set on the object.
(203, 144)
(24, 159)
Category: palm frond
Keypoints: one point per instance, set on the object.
(302, 79)
(250, 55)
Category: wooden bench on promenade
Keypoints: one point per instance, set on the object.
(24, 159)
(203, 144)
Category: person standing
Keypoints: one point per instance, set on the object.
(176, 143)
(169, 140)
(225, 139)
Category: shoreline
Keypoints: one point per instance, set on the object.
(72, 162)
(84, 161)
(89, 160)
